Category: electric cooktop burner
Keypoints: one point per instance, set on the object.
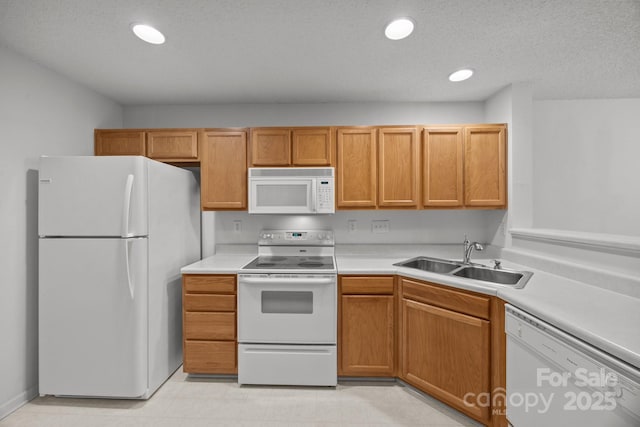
(291, 263)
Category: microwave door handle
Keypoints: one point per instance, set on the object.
(313, 195)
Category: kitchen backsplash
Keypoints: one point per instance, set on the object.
(359, 227)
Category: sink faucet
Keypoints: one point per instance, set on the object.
(468, 247)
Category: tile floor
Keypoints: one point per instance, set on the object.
(193, 402)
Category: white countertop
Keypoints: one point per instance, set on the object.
(603, 318)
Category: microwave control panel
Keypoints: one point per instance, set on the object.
(325, 195)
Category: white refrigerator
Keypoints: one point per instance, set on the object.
(114, 233)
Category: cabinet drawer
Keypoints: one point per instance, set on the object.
(207, 283)
(377, 285)
(474, 305)
(210, 357)
(206, 302)
(209, 326)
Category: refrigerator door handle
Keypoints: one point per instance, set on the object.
(126, 207)
(127, 242)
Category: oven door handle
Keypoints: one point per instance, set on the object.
(286, 280)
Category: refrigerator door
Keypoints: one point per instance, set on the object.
(93, 335)
(93, 196)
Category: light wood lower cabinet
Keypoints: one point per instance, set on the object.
(366, 343)
(209, 324)
(452, 347)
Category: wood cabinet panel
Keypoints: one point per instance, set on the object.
(119, 142)
(367, 335)
(270, 147)
(209, 326)
(175, 144)
(205, 302)
(442, 160)
(313, 147)
(367, 285)
(209, 283)
(356, 175)
(472, 304)
(210, 357)
(223, 169)
(485, 166)
(446, 354)
(398, 172)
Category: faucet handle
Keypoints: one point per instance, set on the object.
(497, 264)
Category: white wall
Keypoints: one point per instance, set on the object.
(586, 156)
(411, 227)
(513, 105)
(252, 115)
(41, 112)
(406, 226)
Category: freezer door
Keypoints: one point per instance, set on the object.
(93, 196)
(93, 317)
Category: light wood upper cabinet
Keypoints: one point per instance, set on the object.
(270, 147)
(398, 159)
(223, 169)
(292, 147)
(366, 342)
(356, 174)
(119, 142)
(442, 167)
(173, 145)
(485, 172)
(313, 147)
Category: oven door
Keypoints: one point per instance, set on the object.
(282, 196)
(287, 309)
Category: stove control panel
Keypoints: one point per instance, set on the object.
(297, 237)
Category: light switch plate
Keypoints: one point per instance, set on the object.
(237, 226)
(352, 226)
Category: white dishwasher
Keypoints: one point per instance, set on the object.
(555, 379)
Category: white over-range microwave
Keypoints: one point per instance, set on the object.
(291, 190)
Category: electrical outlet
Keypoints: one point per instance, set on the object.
(237, 226)
(380, 226)
(352, 226)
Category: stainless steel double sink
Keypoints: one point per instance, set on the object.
(513, 278)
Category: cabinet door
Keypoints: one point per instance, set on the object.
(356, 175)
(270, 147)
(119, 142)
(173, 145)
(485, 175)
(223, 170)
(366, 335)
(398, 174)
(446, 354)
(442, 167)
(313, 147)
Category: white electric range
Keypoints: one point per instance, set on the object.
(287, 310)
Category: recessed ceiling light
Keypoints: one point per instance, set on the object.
(148, 33)
(461, 75)
(399, 29)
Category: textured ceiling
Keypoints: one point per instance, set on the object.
(236, 51)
